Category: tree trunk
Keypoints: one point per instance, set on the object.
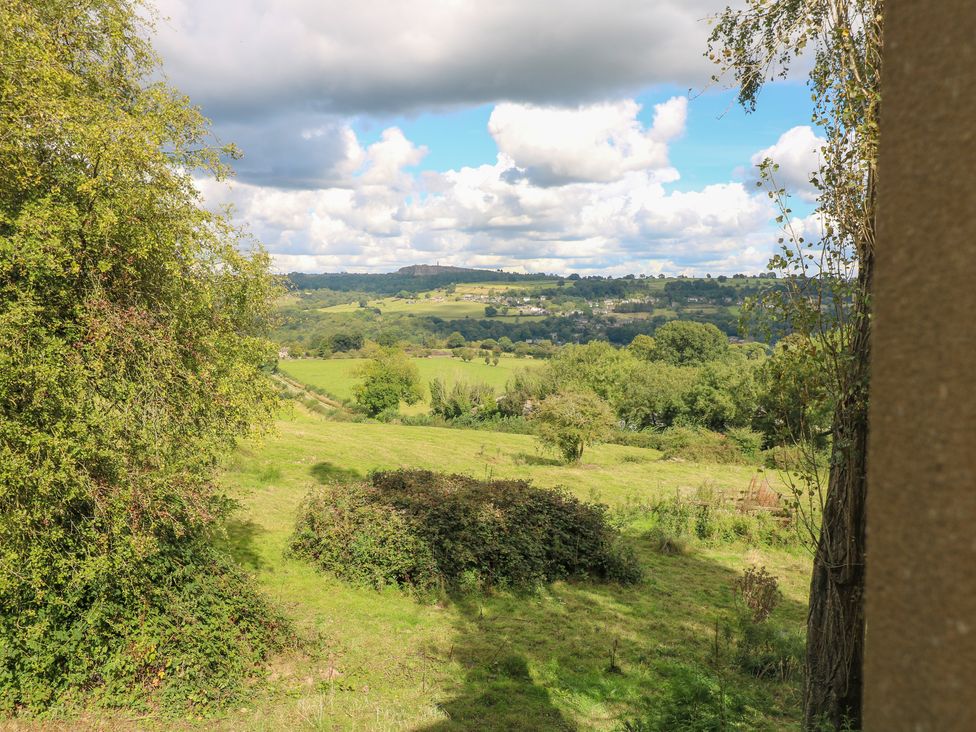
(835, 623)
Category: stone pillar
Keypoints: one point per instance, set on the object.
(920, 666)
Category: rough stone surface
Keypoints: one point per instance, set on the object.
(921, 541)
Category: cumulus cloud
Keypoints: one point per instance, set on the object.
(385, 216)
(597, 143)
(580, 183)
(254, 58)
(797, 152)
(300, 151)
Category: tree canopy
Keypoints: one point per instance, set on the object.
(132, 355)
(685, 343)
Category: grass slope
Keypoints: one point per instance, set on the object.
(337, 376)
(383, 661)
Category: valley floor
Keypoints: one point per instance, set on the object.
(384, 661)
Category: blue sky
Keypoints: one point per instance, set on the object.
(719, 139)
(534, 136)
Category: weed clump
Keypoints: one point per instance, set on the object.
(419, 529)
(756, 517)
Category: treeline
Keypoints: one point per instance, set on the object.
(688, 377)
(390, 283)
(305, 334)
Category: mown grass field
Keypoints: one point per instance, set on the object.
(385, 661)
(338, 376)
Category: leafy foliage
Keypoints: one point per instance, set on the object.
(828, 297)
(343, 530)
(132, 355)
(570, 420)
(684, 343)
(387, 380)
(421, 529)
(462, 399)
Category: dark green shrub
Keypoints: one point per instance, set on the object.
(793, 457)
(495, 423)
(418, 528)
(704, 525)
(647, 439)
(749, 442)
(344, 531)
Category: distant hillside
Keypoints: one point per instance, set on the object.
(429, 270)
(415, 278)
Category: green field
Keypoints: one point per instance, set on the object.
(440, 305)
(338, 376)
(383, 661)
(447, 308)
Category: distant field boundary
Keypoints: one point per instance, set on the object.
(321, 398)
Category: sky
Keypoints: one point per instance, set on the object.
(530, 135)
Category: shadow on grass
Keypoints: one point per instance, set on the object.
(584, 655)
(240, 542)
(326, 472)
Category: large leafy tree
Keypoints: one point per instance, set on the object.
(387, 380)
(687, 343)
(827, 297)
(571, 420)
(132, 355)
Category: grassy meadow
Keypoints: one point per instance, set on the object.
(386, 661)
(338, 376)
(440, 305)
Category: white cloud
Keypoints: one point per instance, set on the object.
(797, 152)
(490, 215)
(599, 142)
(254, 58)
(386, 158)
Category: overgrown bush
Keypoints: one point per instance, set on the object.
(571, 420)
(670, 533)
(462, 399)
(700, 446)
(133, 353)
(748, 442)
(343, 529)
(419, 529)
(387, 380)
(647, 439)
(793, 457)
(185, 625)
